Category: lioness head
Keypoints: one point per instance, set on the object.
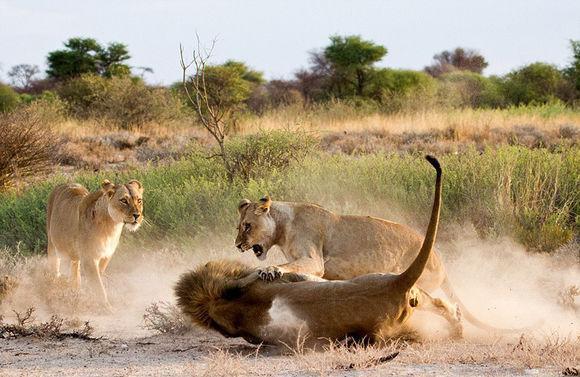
(125, 203)
(257, 228)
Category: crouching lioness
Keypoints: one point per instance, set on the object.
(230, 298)
(85, 227)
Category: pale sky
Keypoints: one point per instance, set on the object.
(274, 36)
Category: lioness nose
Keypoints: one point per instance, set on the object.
(239, 245)
(136, 216)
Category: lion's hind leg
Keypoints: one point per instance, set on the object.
(75, 273)
(443, 308)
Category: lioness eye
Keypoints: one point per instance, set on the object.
(124, 201)
(139, 201)
(247, 226)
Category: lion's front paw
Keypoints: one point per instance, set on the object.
(269, 273)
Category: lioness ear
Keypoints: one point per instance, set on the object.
(106, 184)
(264, 206)
(243, 204)
(108, 188)
(136, 183)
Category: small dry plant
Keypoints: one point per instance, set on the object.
(55, 328)
(346, 355)
(165, 318)
(26, 146)
(567, 297)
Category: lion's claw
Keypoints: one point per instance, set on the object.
(270, 273)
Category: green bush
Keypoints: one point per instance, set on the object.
(122, 101)
(398, 89)
(535, 83)
(470, 89)
(48, 107)
(9, 99)
(229, 86)
(265, 154)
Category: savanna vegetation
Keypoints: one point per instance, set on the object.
(346, 132)
(343, 132)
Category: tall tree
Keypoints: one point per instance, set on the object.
(352, 59)
(86, 55)
(459, 59)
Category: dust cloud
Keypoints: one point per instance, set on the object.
(498, 281)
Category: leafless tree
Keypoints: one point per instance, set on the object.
(22, 75)
(215, 118)
(317, 79)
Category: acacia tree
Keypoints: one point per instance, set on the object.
(218, 94)
(459, 59)
(86, 55)
(352, 59)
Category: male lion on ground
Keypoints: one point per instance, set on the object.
(86, 226)
(229, 297)
(319, 242)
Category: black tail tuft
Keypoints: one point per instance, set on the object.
(433, 161)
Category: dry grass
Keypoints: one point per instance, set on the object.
(92, 145)
(548, 353)
(465, 122)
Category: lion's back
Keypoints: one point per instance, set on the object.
(360, 245)
(62, 212)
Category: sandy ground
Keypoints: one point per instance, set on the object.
(207, 354)
(483, 273)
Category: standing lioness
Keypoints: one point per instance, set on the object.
(86, 226)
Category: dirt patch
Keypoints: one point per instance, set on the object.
(498, 281)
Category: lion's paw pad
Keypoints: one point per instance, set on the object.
(269, 274)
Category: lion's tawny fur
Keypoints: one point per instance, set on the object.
(84, 227)
(229, 297)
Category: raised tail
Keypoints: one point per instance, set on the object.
(410, 276)
(448, 290)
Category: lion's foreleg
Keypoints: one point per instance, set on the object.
(91, 267)
(310, 265)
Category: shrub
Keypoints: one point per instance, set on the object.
(469, 89)
(48, 107)
(401, 89)
(123, 101)
(274, 94)
(267, 153)
(9, 99)
(27, 146)
(534, 83)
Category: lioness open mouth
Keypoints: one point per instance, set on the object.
(258, 250)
